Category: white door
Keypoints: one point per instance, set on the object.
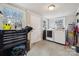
(35, 22)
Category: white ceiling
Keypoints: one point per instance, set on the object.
(61, 9)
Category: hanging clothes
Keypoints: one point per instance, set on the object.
(70, 40)
(77, 33)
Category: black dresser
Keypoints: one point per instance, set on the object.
(12, 38)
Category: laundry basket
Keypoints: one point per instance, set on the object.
(18, 50)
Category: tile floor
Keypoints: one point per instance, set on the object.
(47, 48)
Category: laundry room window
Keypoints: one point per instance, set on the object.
(12, 17)
(60, 23)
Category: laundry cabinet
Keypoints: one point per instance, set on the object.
(56, 35)
(59, 36)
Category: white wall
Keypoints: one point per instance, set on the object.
(70, 19)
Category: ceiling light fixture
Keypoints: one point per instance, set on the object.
(51, 7)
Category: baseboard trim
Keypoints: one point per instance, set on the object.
(56, 42)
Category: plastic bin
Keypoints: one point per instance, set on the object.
(77, 49)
